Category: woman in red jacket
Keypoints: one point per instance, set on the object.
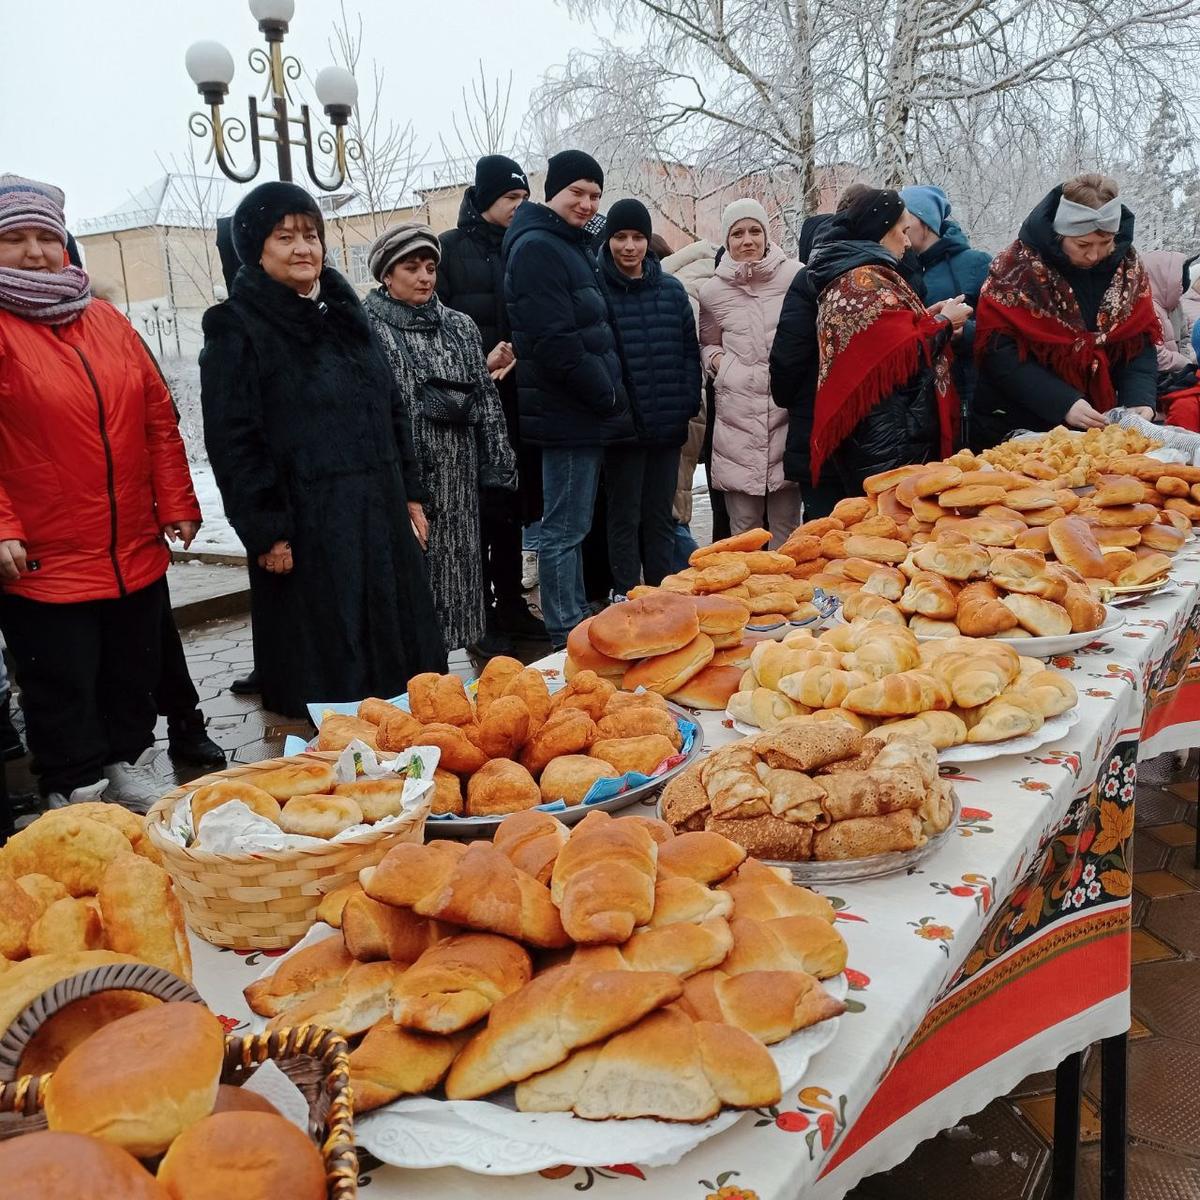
(92, 475)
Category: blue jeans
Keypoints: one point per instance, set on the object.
(570, 478)
(685, 546)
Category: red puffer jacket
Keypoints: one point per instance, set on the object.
(91, 461)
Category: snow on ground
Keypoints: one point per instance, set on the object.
(216, 535)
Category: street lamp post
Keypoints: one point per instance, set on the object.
(210, 66)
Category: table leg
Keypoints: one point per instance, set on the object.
(1113, 1106)
(1196, 851)
(1066, 1127)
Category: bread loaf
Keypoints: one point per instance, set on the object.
(558, 1011)
(583, 656)
(1076, 546)
(54, 1166)
(651, 625)
(710, 688)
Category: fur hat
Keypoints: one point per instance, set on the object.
(262, 209)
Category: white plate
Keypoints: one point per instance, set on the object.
(1050, 731)
(1042, 647)
(490, 1137)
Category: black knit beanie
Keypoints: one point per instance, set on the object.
(628, 214)
(871, 214)
(567, 166)
(262, 209)
(494, 176)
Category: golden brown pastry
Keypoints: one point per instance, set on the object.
(531, 841)
(391, 1062)
(940, 729)
(619, 701)
(447, 793)
(556, 1012)
(953, 561)
(685, 800)
(770, 1005)
(641, 754)
(902, 694)
(1008, 716)
(1043, 618)
(930, 595)
(801, 943)
(570, 777)
(530, 685)
(679, 900)
(704, 857)
(493, 679)
(1050, 692)
(1145, 569)
(399, 731)
(665, 673)
(458, 752)
(587, 692)
(375, 711)
(650, 625)
(299, 976)
(74, 850)
(505, 728)
(1025, 571)
(19, 912)
(730, 779)
(569, 731)
(806, 747)
(142, 916)
(41, 889)
(1075, 545)
(709, 690)
(762, 893)
(583, 656)
(338, 731)
(603, 880)
(980, 611)
(681, 949)
(300, 777)
(862, 837)
(375, 932)
(376, 798)
(443, 699)
(883, 650)
(635, 722)
(475, 886)
(501, 786)
(767, 836)
(334, 903)
(1085, 611)
(211, 796)
(66, 925)
(320, 816)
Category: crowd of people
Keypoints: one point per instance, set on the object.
(538, 368)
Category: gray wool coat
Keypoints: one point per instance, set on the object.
(456, 460)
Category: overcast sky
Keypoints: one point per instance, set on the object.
(93, 93)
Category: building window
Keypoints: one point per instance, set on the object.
(335, 257)
(359, 271)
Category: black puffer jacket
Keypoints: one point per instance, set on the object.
(795, 356)
(470, 276)
(1019, 393)
(903, 427)
(570, 384)
(658, 340)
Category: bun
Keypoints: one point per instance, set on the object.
(319, 816)
(505, 728)
(720, 614)
(338, 731)
(769, 1005)
(302, 778)
(495, 677)
(1127, 515)
(1076, 546)
(114, 1085)
(666, 673)
(241, 1099)
(458, 753)
(877, 549)
(501, 786)
(69, 1166)
(702, 856)
(1146, 569)
(213, 795)
(651, 625)
(1163, 537)
(375, 711)
(586, 692)
(885, 480)
(710, 688)
(376, 798)
(583, 656)
(634, 722)
(250, 1155)
(398, 731)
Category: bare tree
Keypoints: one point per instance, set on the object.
(389, 159)
(483, 127)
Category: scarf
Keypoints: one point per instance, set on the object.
(1029, 300)
(47, 297)
(873, 335)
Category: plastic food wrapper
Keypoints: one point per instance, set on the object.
(236, 829)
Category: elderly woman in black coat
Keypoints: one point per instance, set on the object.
(459, 432)
(311, 448)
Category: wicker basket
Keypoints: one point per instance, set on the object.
(267, 900)
(316, 1060)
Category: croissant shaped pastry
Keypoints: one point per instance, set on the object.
(980, 612)
(898, 695)
(930, 595)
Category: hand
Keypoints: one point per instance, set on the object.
(1081, 415)
(420, 524)
(717, 360)
(182, 531)
(956, 311)
(1143, 411)
(12, 560)
(277, 560)
(501, 355)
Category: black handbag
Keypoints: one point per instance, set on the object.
(449, 401)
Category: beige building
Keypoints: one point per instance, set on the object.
(155, 256)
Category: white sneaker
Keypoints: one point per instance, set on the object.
(132, 785)
(81, 795)
(529, 570)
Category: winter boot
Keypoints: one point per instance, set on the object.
(515, 619)
(132, 785)
(529, 569)
(187, 742)
(248, 685)
(80, 795)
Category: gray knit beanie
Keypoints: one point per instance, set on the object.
(393, 244)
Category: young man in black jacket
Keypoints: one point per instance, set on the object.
(471, 279)
(570, 392)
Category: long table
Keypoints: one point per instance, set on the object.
(1005, 953)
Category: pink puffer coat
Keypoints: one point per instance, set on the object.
(1165, 268)
(739, 309)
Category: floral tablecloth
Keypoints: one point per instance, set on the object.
(997, 957)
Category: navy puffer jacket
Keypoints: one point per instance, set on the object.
(570, 386)
(658, 340)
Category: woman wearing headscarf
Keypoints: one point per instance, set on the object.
(1066, 328)
(739, 309)
(459, 432)
(92, 476)
(311, 448)
(884, 396)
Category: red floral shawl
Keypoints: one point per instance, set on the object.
(873, 334)
(1027, 299)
